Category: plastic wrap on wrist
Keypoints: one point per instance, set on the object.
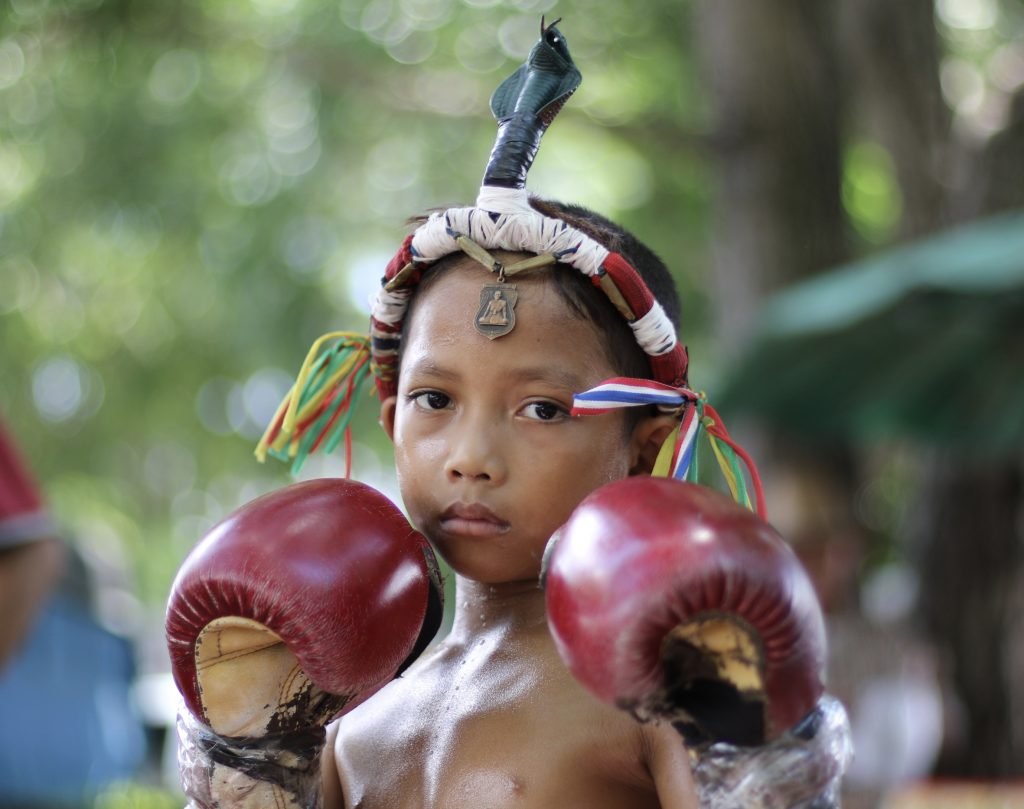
(280, 770)
(802, 769)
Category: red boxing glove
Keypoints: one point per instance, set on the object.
(292, 610)
(671, 601)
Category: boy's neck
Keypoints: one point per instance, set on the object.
(507, 607)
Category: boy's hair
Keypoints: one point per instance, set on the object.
(582, 296)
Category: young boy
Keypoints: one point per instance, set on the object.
(490, 463)
(505, 339)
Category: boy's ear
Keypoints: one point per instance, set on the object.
(387, 415)
(647, 439)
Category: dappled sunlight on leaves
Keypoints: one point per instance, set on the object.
(190, 193)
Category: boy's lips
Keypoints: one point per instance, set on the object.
(472, 519)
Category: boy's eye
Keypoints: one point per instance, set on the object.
(544, 411)
(431, 400)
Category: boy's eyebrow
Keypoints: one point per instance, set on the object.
(427, 367)
(559, 377)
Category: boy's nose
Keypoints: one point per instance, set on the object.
(476, 456)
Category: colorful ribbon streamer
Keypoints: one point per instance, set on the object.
(678, 457)
(319, 407)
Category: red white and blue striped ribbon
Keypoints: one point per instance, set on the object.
(696, 418)
(629, 392)
(686, 444)
(621, 391)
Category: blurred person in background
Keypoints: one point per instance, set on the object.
(884, 672)
(30, 554)
(62, 675)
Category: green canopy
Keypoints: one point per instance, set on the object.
(924, 341)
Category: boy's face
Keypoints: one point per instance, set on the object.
(489, 461)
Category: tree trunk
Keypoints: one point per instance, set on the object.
(772, 76)
(892, 55)
(970, 535)
(971, 555)
(965, 531)
(781, 79)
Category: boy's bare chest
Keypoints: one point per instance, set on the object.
(470, 731)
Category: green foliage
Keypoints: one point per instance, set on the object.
(191, 192)
(981, 68)
(871, 194)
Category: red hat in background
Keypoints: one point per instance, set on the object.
(23, 514)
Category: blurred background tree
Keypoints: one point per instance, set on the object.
(191, 192)
(840, 128)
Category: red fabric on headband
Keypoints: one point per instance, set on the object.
(630, 284)
(400, 259)
(670, 368)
